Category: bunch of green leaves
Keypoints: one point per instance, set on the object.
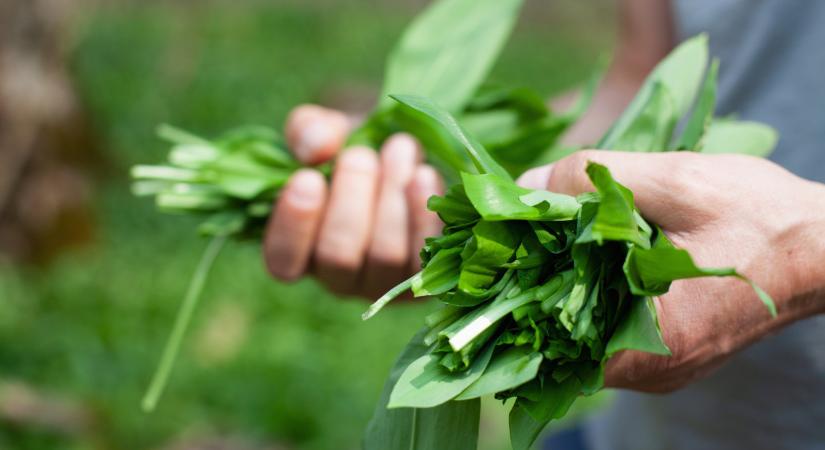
(445, 54)
(538, 289)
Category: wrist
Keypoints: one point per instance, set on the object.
(807, 238)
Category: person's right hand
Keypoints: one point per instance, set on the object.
(727, 211)
(360, 235)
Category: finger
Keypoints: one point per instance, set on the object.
(292, 228)
(315, 134)
(346, 227)
(389, 253)
(425, 183)
(663, 184)
(536, 178)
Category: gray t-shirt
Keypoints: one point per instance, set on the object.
(772, 395)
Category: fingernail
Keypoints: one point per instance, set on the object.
(425, 182)
(400, 149)
(306, 189)
(313, 137)
(536, 178)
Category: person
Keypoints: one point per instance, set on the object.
(737, 378)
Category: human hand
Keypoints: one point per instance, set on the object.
(361, 234)
(726, 210)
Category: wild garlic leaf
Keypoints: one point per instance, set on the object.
(482, 160)
(615, 218)
(650, 272)
(700, 118)
(453, 208)
(440, 275)
(652, 128)
(747, 138)
(492, 245)
(447, 51)
(426, 383)
(679, 74)
(497, 199)
(528, 418)
(453, 425)
(638, 330)
(508, 369)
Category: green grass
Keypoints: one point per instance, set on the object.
(278, 364)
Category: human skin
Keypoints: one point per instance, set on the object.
(727, 211)
(361, 234)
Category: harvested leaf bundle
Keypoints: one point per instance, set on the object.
(445, 54)
(539, 289)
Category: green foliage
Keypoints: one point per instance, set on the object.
(560, 283)
(89, 328)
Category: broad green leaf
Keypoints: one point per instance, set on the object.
(528, 418)
(178, 136)
(680, 74)
(462, 299)
(482, 160)
(638, 330)
(652, 128)
(498, 199)
(440, 275)
(650, 272)
(508, 369)
(615, 218)
(448, 50)
(223, 223)
(453, 425)
(454, 208)
(748, 138)
(426, 383)
(492, 245)
(700, 118)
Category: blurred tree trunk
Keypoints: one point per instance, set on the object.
(47, 149)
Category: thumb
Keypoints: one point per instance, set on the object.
(315, 134)
(656, 179)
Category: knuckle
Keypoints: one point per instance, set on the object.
(568, 174)
(338, 255)
(388, 257)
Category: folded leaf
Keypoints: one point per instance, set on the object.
(508, 369)
(638, 330)
(492, 245)
(426, 383)
(615, 218)
(497, 199)
(700, 118)
(482, 160)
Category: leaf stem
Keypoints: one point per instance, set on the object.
(388, 297)
(170, 352)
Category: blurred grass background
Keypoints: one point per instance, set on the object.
(266, 365)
